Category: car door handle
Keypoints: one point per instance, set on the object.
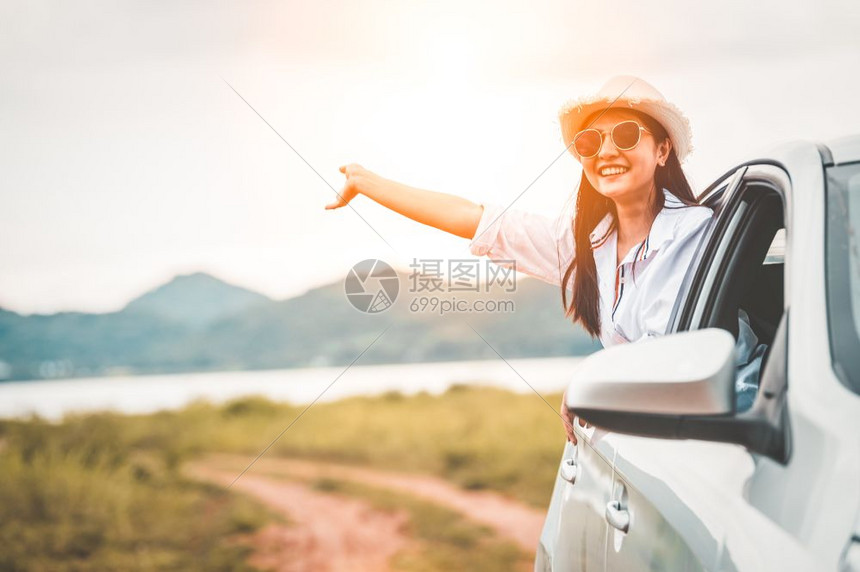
(617, 517)
(568, 470)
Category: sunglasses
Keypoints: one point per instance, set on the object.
(625, 136)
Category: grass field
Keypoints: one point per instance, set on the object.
(106, 491)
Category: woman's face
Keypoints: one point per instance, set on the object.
(636, 179)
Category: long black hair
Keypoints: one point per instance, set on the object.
(591, 208)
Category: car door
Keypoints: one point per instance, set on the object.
(685, 499)
(652, 516)
(574, 531)
(582, 515)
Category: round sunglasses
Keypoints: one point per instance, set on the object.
(625, 136)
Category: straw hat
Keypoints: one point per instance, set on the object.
(627, 92)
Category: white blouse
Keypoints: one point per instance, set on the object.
(636, 296)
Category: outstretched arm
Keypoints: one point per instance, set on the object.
(450, 213)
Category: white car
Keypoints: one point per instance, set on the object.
(673, 477)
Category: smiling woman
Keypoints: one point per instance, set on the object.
(627, 247)
(626, 156)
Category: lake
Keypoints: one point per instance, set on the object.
(145, 394)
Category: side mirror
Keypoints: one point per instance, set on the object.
(691, 373)
(682, 386)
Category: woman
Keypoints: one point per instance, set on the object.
(624, 252)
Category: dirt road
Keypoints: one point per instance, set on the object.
(326, 533)
(332, 533)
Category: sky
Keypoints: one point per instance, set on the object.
(126, 159)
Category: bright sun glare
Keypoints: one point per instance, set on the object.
(452, 61)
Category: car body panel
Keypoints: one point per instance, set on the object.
(580, 514)
(822, 478)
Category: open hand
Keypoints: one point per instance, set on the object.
(355, 177)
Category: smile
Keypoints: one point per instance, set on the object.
(607, 171)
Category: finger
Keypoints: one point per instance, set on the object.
(568, 427)
(568, 424)
(568, 430)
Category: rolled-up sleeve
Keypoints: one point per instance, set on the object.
(531, 243)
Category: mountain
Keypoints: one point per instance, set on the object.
(200, 323)
(195, 300)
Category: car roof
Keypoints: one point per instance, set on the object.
(798, 156)
(845, 149)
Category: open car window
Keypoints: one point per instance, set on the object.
(742, 264)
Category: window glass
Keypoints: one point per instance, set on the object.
(843, 271)
(776, 252)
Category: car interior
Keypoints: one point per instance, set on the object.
(753, 273)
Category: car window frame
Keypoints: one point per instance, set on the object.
(703, 278)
